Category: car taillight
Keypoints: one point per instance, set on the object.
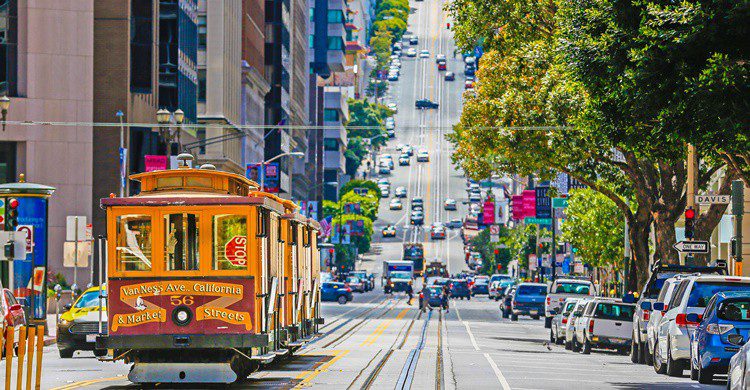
(646, 315)
(719, 328)
(565, 320)
(681, 320)
(348, 289)
(591, 326)
(549, 300)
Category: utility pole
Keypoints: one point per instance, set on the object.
(738, 209)
(692, 184)
(553, 260)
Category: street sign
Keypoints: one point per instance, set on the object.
(537, 221)
(545, 239)
(559, 203)
(235, 251)
(29, 229)
(692, 247)
(73, 232)
(713, 199)
(495, 230)
(532, 262)
(494, 238)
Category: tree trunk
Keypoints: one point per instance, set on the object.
(665, 238)
(639, 229)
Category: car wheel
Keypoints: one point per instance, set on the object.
(693, 370)
(634, 351)
(469, 297)
(575, 347)
(514, 317)
(705, 375)
(645, 355)
(66, 353)
(535, 317)
(552, 337)
(505, 314)
(673, 366)
(586, 348)
(659, 366)
(342, 300)
(568, 345)
(100, 352)
(548, 322)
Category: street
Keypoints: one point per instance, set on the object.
(379, 341)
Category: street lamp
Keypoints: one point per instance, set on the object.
(263, 166)
(164, 118)
(4, 105)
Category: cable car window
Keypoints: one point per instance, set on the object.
(204, 182)
(133, 250)
(230, 242)
(293, 233)
(168, 182)
(262, 222)
(181, 242)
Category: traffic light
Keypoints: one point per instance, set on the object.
(689, 223)
(11, 214)
(449, 26)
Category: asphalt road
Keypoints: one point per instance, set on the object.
(379, 341)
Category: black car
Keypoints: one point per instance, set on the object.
(460, 289)
(450, 76)
(469, 70)
(425, 103)
(414, 41)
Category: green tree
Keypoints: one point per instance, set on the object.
(356, 151)
(369, 184)
(395, 26)
(367, 120)
(486, 248)
(595, 226)
(380, 43)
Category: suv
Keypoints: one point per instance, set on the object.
(569, 330)
(459, 288)
(562, 289)
(560, 320)
(605, 323)
(657, 310)
(672, 344)
(659, 274)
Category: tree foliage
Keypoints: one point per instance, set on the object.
(595, 226)
(369, 184)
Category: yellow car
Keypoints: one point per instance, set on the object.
(79, 325)
(389, 231)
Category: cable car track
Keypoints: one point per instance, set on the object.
(342, 337)
(376, 371)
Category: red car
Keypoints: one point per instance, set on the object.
(11, 312)
(468, 84)
(442, 66)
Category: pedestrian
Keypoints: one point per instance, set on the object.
(409, 293)
(444, 299)
(422, 300)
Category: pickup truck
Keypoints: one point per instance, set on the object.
(562, 289)
(605, 323)
(659, 274)
(528, 300)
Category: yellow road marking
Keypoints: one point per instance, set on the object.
(381, 328)
(78, 385)
(307, 376)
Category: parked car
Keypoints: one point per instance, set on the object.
(450, 204)
(528, 300)
(605, 323)
(562, 289)
(450, 76)
(335, 292)
(495, 291)
(659, 274)
(384, 169)
(459, 288)
(738, 375)
(400, 192)
(79, 325)
(657, 310)
(12, 312)
(723, 329)
(389, 231)
(393, 76)
(355, 283)
(475, 198)
(385, 192)
(556, 332)
(425, 103)
(570, 327)
(506, 304)
(395, 204)
(672, 345)
(414, 40)
(362, 275)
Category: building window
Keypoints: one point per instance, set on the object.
(335, 43)
(8, 47)
(330, 115)
(141, 45)
(202, 32)
(311, 41)
(201, 85)
(312, 13)
(7, 162)
(335, 16)
(331, 144)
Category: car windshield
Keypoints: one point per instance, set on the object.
(735, 310)
(352, 279)
(90, 299)
(703, 291)
(499, 278)
(435, 290)
(568, 308)
(572, 288)
(400, 275)
(531, 290)
(614, 311)
(652, 291)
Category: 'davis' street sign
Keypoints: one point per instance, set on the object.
(713, 199)
(691, 246)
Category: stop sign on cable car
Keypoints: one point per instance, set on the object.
(235, 251)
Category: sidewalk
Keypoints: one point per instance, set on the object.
(51, 337)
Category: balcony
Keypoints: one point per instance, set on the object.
(334, 160)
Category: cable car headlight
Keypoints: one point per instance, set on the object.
(182, 315)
